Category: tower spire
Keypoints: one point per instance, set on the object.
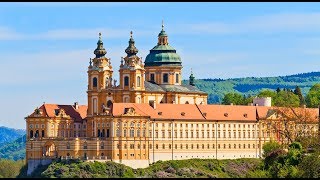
(131, 49)
(162, 25)
(100, 51)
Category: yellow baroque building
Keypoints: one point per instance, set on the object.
(147, 117)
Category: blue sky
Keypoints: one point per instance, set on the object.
(45, 47)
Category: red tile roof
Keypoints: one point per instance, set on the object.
(77, 114)
(229, 112)
(186, 111)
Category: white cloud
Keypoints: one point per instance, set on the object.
(72, 34)
(269, 23)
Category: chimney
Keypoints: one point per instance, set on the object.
(256, 104)
(304, 106)
(76, 105)
(231, 104)
(250, 104)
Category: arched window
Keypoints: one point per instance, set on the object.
(138, 133)
(126, 81)
(99, 133)
(118, 132)
(68, 146)
(37, 133)
(132, 132)
(102, 145)
(31, 134)
(103, 133)
(138, 81)
(165, 78)
(124, 133)
(187, 102)
(42, 133)
(94, 82)
(85, 145)
(94, 105)
(109, 103)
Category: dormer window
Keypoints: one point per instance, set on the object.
(160, 113)
(245, 115)
(183, 113)
(204, 114)
(225, 114)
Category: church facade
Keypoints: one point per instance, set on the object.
(149, 116)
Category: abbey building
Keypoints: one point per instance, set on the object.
(148, 116)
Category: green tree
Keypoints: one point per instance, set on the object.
(235, 98)
(286, 99)
(310, 166)
(278, 90)
(270, 147)
(313, 96)
(297, 91)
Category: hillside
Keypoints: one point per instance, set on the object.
(14, 150)
(216, 88)
(192, 168)
(10, 134)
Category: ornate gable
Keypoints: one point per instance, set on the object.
(61, 113)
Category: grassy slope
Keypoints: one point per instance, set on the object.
(161, 169)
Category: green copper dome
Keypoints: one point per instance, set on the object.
(162, 33)
(162, 54)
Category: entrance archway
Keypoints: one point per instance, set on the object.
(49, 150)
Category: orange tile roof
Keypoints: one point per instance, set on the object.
(140, 109)
(229, 112)
(77, 114)
(178, 111)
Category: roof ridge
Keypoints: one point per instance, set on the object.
(200, 111)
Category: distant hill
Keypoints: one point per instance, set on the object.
(10, 134)
(14, 150)
(216, 88)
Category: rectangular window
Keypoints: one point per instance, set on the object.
(163, 135)
(165, 78)
(169, 134)
(177, 78)
(152, 77)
